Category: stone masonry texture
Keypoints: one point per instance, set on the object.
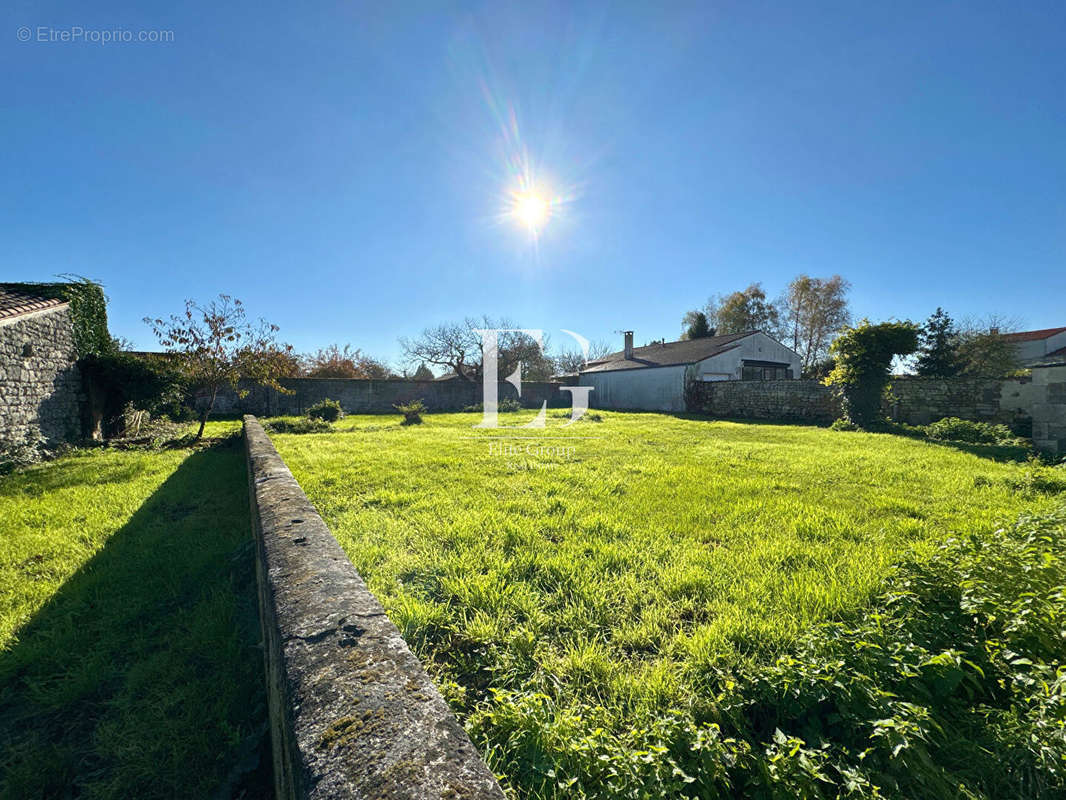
(916, 401)
(40, 384)
(366, 396)
(352, 712)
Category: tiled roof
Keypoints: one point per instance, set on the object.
(1032, 336)
(687, 351)
(14, 303)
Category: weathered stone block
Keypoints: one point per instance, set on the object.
(353, 714)
(39, 386)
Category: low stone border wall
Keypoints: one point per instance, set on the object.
(352, 712)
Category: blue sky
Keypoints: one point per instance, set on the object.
(344, 169)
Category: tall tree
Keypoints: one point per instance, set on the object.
(451, 345)
(983, 352)
(456, 346)
(214, 346)
(742, 311)
(937, 352)
(815, 310)
(423, 373)
(568, 362)
(696, 326)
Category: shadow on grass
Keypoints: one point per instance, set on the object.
(993, 452)
(777, 423)
(141, 676)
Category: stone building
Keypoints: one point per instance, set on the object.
(40, 385)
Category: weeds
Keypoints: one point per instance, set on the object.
(612, 627)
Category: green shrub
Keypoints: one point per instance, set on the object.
(298, 426)
(31, 448)
(412, 412)
(951, 685)
(863, 355)
(844, 425)
(141, 429)
(150, 384)
(507, 404)
(328, 411)
(963, 430)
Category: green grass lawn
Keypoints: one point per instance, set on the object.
(128, 630)
(616, 579)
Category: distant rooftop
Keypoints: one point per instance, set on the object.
(1032, 336)
(15, 302)
(664, 354)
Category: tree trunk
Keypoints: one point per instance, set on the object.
(206, 414)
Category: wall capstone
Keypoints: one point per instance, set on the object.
(352, 712)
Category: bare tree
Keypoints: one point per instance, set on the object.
(451, 345)
(982, 351)
(568, 362)
(815, 310)
(456, 346)
(214, 346)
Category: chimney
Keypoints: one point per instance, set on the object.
(629, 345)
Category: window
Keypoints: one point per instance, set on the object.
(762, 371)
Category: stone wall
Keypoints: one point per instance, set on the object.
(916, 401)
(364, 396)
(1049, 408)
(796, 400)
(352, 712)
(919, 401)
(39, 382)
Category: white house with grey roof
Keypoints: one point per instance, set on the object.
(653, 377)
(1047, 345)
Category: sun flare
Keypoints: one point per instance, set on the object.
(531, 208)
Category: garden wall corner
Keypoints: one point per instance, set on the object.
(352, 712)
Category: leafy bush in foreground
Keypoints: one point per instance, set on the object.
(964, 430)
(412, 412)
(328, 410)
(951, 685)
(298, 426)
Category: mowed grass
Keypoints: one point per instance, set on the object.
(626, 572)
(128, 632)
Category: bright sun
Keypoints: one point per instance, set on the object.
(531, 209)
